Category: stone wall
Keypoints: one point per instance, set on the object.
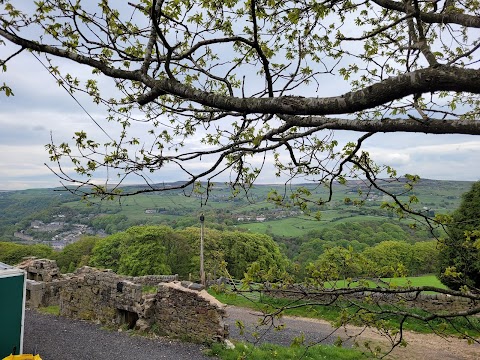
(43, 294)
(40, 269)
(181, 310)
(174, 310)
(439, 302)
(92, 294)
(43, 282)
(188, 314)
(153, 280)
(428, 302)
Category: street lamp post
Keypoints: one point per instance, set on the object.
(202, 271)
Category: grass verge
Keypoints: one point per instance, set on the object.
(268, 352)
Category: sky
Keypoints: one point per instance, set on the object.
(40, 109)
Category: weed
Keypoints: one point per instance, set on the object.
(50, 310)
(149, 289)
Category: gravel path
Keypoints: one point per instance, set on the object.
(60, 338)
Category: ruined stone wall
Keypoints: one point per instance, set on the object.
(43, 294)
(153, 280)
(43, 282)
(182, 310)
(40, 269)
(188, 314)
(91, 294)
(174, 310)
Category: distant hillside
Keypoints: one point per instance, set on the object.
(248, 211)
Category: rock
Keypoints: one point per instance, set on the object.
(142, 325)
(228, 344)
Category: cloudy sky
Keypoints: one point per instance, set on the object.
(41, 109)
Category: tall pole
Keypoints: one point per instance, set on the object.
(202, 271)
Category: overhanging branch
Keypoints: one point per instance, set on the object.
(448, 17)
(440, 78)
(469, 127)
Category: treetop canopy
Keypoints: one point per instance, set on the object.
(257, 77)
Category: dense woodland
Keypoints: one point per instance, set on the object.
(142, 250)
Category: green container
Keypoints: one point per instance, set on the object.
(12, 309)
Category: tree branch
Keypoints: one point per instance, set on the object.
(440, 78)
(432, 18)
(470, 127)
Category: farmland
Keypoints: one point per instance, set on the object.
(249, 212)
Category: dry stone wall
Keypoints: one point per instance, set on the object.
(181, 310)
(174, 310)
(44, 282)
(428, 302)
(189, 314)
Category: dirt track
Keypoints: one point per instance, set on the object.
(420, 346)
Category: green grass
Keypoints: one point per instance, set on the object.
(149, 289)
(415, 281)
(50, 310)
(288, 227)
(299, 226)
(424, 280)
(268, 352)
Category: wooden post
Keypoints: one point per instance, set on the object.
(202, 270)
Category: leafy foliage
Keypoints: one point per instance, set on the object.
(383, 245)
(75, 255)
(460, 252)
(162, 250)
(13, 254)
(137, 251)
(390, 257)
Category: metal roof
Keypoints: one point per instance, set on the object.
(8, 271)
(5, 266)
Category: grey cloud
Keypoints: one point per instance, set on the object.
(18, 134)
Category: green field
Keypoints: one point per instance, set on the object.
(414, 281)
(298, 226)
(425, 280)
(289, 227)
